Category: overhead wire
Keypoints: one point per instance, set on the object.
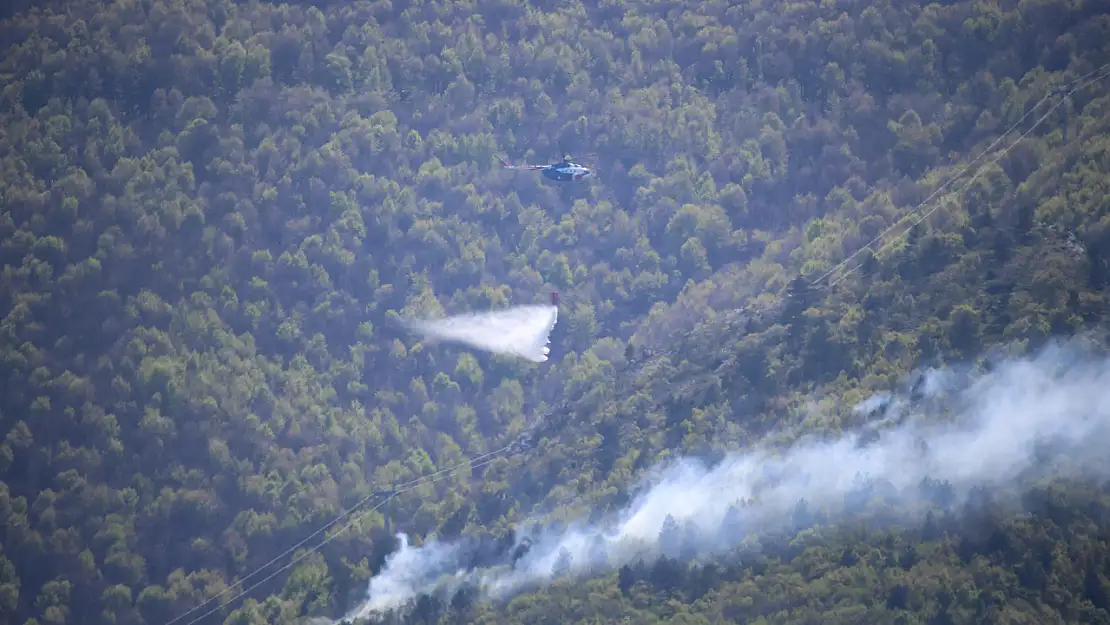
(980, 171)
(1080, 82)
(484, 459)
(344, 528)
(473, 463)
(744, 314)
(753, 311)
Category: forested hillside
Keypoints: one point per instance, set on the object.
(213, 213)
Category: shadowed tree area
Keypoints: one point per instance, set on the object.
(213, 212)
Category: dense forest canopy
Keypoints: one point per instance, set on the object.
(213, 213)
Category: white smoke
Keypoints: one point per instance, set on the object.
(520, 331)
(412, 568)
(969, 429)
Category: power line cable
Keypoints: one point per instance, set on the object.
(1081, 82)
(393, 492)
(341, 530)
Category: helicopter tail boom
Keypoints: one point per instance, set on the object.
(507, 165)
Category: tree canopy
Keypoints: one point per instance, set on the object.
(212, 212)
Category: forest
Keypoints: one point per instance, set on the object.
(213, 215)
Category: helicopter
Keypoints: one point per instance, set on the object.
(564, 171)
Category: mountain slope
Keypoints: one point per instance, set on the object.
(211, 212)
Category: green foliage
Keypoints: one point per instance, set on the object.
(212, 212)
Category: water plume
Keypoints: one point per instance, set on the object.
(952, 431)
(521, 331)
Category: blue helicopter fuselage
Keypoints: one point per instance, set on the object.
(566, 172)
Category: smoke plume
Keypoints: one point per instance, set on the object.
(923, 446)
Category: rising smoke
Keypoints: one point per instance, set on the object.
(948, 432)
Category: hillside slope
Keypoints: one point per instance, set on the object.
(211, 212)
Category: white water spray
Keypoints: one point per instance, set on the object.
(520, 331)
